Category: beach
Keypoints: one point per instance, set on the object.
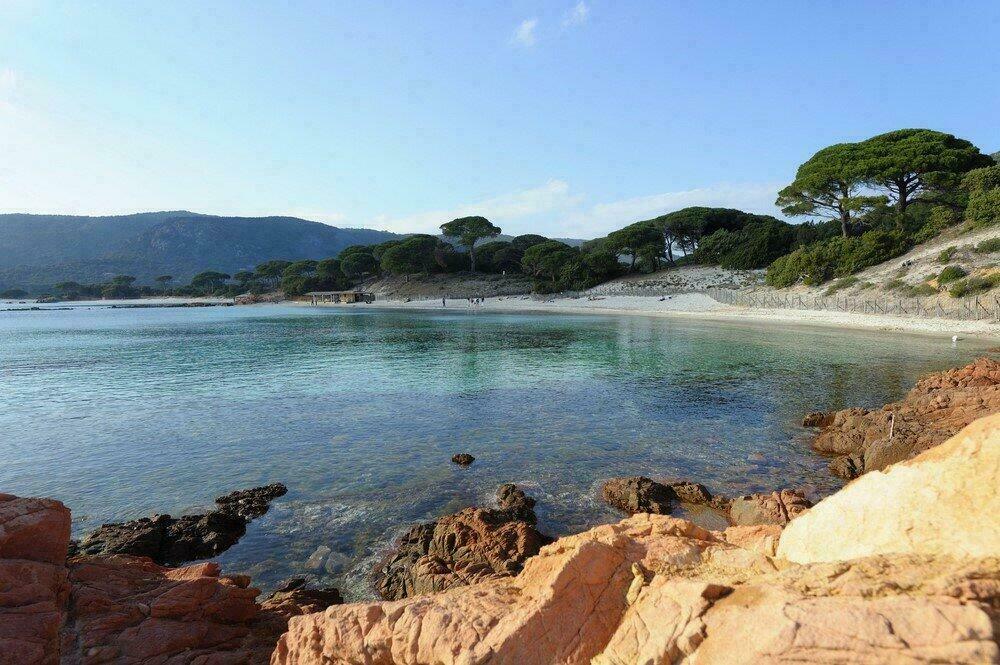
(700, 306)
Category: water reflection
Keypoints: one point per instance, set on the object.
(120, 413)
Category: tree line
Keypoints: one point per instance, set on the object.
(865, 203)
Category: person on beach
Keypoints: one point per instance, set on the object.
(443, 303)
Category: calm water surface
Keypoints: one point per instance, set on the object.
(121, 413)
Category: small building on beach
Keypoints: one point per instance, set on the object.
(318, 297)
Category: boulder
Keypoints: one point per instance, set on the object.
(778, 507)
(252, 503)
(937, 407)
(34, 586)
(944, 502)
(817, 419)
(175, 540)
(470, 546)
(654, 589)
(638, 494)
(127, 609)
(165, 539)
(295, 597)
(463, 459)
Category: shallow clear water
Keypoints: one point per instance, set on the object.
(121, 413)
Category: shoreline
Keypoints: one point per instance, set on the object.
(699, 307)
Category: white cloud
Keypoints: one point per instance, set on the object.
(601, 218)
(524, 35)
(553, 196)
(577, 16)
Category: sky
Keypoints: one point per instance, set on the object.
(565, 118)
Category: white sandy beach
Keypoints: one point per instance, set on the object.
(695, 305)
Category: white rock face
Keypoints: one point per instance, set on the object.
(944, 502)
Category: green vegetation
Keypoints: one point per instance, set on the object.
(946, 254)
(988, 246)
(468, 231)
(867, 202)
(842, 283)
(894, 284)
(920, 290)
(974, 285)
(983, 189)
(836, 257)
(951, 274)
(917, 165)
(886, 194)
(13, 294)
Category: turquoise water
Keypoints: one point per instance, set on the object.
(121, 413)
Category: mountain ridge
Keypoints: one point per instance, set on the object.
(40, 250)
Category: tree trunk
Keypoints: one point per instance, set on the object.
(631, 267)
(902, 200)
(845, 221)
(472, 257)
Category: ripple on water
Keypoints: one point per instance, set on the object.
(120, 413)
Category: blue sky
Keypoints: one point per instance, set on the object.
(562, 118)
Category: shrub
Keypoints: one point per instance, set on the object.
(757, 244)
(939, 218)
(893, 284)
(836, 257)
(920, 290)
(842, 283)
(951, 274)
(946, 254)
(988, 246)
(974, 285)
(983, 187)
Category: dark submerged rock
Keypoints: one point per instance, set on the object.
(463, 459)
(175, 540)
(252, 503)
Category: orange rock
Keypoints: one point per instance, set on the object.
(34, 535)
(654, 589)
(937, 407)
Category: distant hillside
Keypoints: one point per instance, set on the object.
(996, 156)
(39, 250)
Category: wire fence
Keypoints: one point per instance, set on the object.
(978, 308)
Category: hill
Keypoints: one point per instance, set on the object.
(40, 250)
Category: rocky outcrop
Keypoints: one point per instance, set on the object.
(127, 609)
(775, 508)
(171, 541)
(463, 459)
(937, 407)
(34, 534)
(473, 545)
(252, 503)
(295, 597)
(944, 502)
(638, 494)
(655, 589)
